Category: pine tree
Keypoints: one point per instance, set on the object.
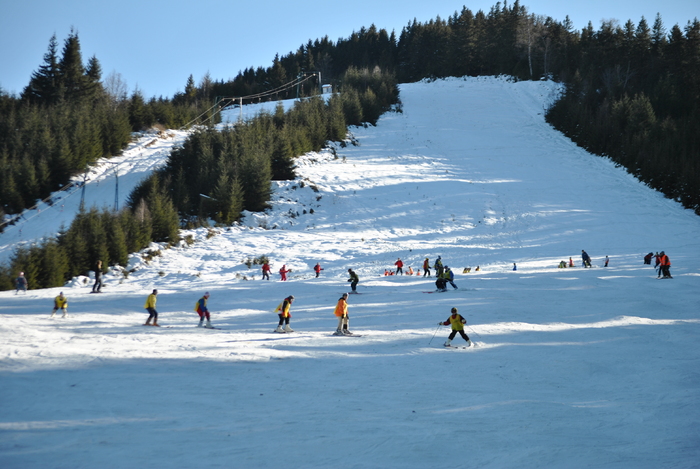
(54, 265)
(116, 239)
(71, 70)
(43, 87)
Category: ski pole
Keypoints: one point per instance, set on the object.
(431, 339)
(470, 328)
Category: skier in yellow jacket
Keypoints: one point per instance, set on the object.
(60, 302)
(457, 322)
(150, 306)
(284, 314)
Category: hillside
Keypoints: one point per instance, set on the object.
(572, 367)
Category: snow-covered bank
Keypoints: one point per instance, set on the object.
(572, 368)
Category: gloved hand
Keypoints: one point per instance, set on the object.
(440, 324)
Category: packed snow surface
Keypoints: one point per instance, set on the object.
(574, 367)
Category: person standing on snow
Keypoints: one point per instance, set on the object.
(586, 259)
(266, 270)
(341, 312)
(354, 279)
(457, 322)
(317, 269)
(426, 267)
(283, 273)
(515, 267)
(449, 276)
(438, 267)
(21, 283)
(571, 262)
(607, 259)
(150, 306)
(665, 269)
(97, 287)
(284, 314)
(60, 302)
(399, 266)
(201, 308)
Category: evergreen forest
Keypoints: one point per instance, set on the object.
(632, 94)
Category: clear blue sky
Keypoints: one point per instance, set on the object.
(156, 44)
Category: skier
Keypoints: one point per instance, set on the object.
(657, 256)
(283, 273)
(341, 312)
(399, 266)
(647, 258)
(441, 282)
(97, 287)
(438, 266)
(665, 268)
(284, 314)
(606, 261)
(449, 276)
(515, 267)
(317, 269)
(60, 302)
(571, 262)
(201, 308)
(354, 279)
(150, 306)
(426, 267)
(21, 283)
(266, 271)
(457, 322)
(586, 259)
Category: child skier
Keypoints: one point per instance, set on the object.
(354, 280)
(317, 269)
(203, 311)
(426, 267)
(341, 312)
(399, 266)
(60, 302)
(283, 273)
(457, 322)
(150, 306)
(21, 283)
(449, 276)
(284, 314)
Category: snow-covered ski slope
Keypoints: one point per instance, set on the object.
(572, 367)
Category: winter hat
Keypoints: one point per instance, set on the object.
(206, 294)
(454, 310)
(345, 295)
(290, 297)
(155, 291)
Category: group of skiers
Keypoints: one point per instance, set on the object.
(266, 269)
(663, 263)
(443, 273)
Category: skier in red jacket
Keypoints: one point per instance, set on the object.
(283, 273)
(266, 271)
